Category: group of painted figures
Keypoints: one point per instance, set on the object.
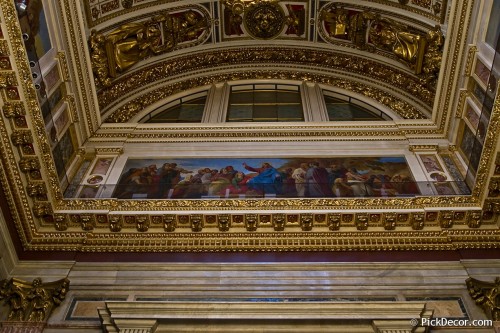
(307, 180)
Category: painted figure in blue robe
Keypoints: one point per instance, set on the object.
(268, 180)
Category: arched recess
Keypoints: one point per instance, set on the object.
(217, 99)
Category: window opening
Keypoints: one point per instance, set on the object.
(187, 109)
(342, 107)
(265, 103)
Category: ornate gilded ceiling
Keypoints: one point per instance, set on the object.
(121, 57)
(386, 50)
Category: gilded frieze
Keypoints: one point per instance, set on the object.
(131, 108)
(97, 13)
(329, 60)
(283, 241)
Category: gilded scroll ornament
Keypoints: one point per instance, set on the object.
(361, 221)
(61, 222)
(417, 221)
(433, 56)
(21, 137)
(333, 221)
(486, 295)
(169, 222)
(251, 222)
(224, 222)
(279, 221)
(4, 48)
(142, 223)
(115, 223)
(389, 221)
(196, 221)
(119, 50)
(32, 302)
(446, 220)
(37, 190)
(13, 109)
(474, 219)
(42, 209)
(87, 222)
(31, 166)
(7, 79)
(306, 222)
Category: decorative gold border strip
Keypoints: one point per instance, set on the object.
(281, 56)
(124, 12)
(131, 108)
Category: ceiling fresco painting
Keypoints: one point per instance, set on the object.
(254, 178)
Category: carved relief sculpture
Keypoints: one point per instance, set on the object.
(32, 302)
(263, 19)
(122, 48)
(385, 33)
(421, 52)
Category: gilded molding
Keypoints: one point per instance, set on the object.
(280, 241)
(289, 56)
(73, 36)
(95, 17)
(131, 108)
(487, 158)
(417, 148)
(217, 231)
(462, 97)
(451, 62)
(64, 66)
(270, 204)
(70, 99)
(470, 60)
(109, 150)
